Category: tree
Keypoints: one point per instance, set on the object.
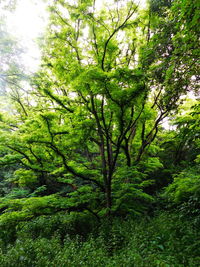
(98, 106)
(184, 189)
(101, 90)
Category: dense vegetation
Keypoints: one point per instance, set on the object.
(89, 174)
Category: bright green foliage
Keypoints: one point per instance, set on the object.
(93, 120)
(87, 141)
(186, 40)
(185, 185)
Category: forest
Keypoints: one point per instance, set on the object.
(100, 156)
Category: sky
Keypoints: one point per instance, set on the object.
(28, 23)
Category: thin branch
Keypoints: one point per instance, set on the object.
(130, 14)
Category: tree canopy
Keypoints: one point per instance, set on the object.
(88, 136)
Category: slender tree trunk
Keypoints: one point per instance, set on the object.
(109, 196)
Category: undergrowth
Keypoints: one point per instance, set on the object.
(167, 240)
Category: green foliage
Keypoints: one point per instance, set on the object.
(84, 149)
(130, 196)
(186, 184)
(166, 240)
(91, 114)
(24, 177)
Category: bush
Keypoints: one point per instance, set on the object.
(185, 185)
(61, 224)
(168, 239)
